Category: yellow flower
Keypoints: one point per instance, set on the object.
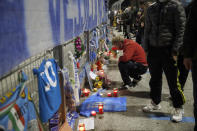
(2, 100)
(23, 94)
(14, 89)
(97, 78)
(8, 94)
(29, 97)
(95, 89)
(100, 84)
(95, 84)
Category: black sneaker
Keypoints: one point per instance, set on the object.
(125, 86)
(135, 81)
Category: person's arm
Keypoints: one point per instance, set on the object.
(147, 29)
(190, 33)
(189, 37)
(180, 20)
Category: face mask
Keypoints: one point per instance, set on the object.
(162, 1)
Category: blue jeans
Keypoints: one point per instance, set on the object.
(194, 78)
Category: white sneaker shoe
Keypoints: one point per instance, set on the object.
(177, 115)
(152, 106)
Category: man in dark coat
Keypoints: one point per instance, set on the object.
(190, 50)
(164, 30)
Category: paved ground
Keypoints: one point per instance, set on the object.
(136, 120)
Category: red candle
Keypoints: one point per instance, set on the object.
(100, 106)
(78, 65)
(109, 94)
(102, 73)
(81, 127)
(93, 113)
(86, 92)
(115, 93)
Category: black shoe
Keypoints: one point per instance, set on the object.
(135, 81)
(125, 86)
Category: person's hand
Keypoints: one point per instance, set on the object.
(188, 63)
(146, 53)
(174, 57)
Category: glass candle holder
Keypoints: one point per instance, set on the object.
(115, 93)
(100, 106)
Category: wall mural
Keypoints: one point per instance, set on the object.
(28, 27)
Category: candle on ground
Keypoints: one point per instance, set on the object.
(115, 93)
(109, 94)
(81, 127)
(100, 106)
(93, 113)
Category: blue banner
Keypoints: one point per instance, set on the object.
(30, 27)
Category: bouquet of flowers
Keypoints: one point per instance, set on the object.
(79, 47)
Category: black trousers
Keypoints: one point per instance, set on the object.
(159, 60)
(194, 79)
(131, 69)
(183, 72)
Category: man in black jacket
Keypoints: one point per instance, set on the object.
(164, 30)
(190, 50)
(183, 71)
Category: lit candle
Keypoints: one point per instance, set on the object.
(115, 93)
(81, 128)
(100, 106)
(102, 73)
(93, 113)
(86, 92)
(109, 94)
(81, 125)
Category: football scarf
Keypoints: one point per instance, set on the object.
(18, 111)
(71, 118)
(74, 77)
(49, 90)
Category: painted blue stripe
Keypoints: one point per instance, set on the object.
(185, 119)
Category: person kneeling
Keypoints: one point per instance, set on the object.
(132, 63)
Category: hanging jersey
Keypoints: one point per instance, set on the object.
(49, 90)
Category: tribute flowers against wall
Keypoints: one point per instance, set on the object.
(79, 48)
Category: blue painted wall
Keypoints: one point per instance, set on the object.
(28, 27)
(13, 48)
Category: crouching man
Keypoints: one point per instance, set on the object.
(132, 63)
